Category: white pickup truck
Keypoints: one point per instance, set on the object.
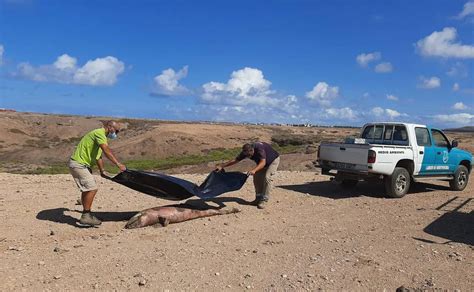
(398, 153)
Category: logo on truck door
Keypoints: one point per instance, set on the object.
(445, 156)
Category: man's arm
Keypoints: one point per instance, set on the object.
(219, 167)
(260, 166)
(108, 153)
(100, 164)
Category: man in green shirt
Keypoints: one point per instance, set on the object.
(88, 152)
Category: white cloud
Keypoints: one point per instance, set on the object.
(323, 93)
(441, 44)
(378, 111)
(430, 83)
(340, 113)
(392, 97)
(289, 104)
(365, 59)
(458, 119)
(245, 86)
(459, 106)
(167, 83)
(458, 70)
(101, 71)
(391, 114)
(2, 50)
(385, 67)
(65, 62)
(456, 87)
(467, 10)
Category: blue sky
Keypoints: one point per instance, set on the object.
(323, 62)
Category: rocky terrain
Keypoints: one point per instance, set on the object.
(313, 235)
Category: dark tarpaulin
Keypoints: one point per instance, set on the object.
(176, 189)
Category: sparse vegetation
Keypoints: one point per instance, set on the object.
(169, 162)
(52, 169)
(287, 139)
(37, 143)
(72, 140)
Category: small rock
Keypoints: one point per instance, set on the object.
(56, 249)
(142, 282)
(41, 263)
(57, 277)
(284, 276)
(217, 274)
(15, 248)
(51, 232)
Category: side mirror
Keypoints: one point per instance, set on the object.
(454, 144)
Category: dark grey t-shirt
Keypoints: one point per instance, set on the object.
(262, 150)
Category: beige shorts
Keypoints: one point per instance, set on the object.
(82, 176)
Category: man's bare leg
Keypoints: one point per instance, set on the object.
(87, 199)
(87, 218)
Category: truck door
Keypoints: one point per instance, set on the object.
(442, 149)
(425, 153)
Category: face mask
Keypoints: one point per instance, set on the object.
(112, 136)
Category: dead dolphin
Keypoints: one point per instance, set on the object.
(172, 214)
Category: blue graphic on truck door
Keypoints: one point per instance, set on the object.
(443, 163)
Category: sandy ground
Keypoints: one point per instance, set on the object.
(313, 235)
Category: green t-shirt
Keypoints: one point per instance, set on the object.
(88, 151)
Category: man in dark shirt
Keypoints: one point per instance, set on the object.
(267, 160)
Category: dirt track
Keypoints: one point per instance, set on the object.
(313, 235)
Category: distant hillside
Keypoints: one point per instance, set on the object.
(467, 129)
(29, 141)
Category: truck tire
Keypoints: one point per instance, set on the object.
(461, 177)
(397, 184)
(349, 183)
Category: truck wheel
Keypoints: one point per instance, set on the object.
(397, 184)
(461, 177)
(349, 183)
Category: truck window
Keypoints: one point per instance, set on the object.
(422, 137)
(368, 133)
(373, 132)
(400, 135)
(439, 139)
(387, 136)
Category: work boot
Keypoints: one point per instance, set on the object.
(257, 200)
(262, 204)
(89, 219)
